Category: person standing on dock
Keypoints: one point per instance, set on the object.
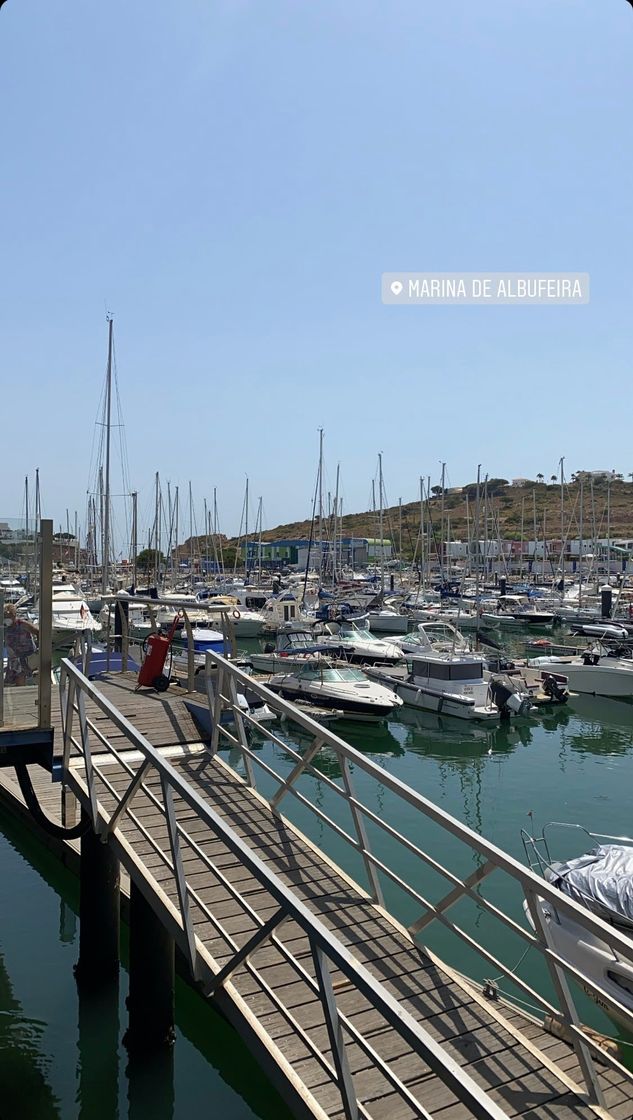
(20, 639)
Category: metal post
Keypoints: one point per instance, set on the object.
(152, 979)
(45, 623)
(349, 1099)
(566, 1000)
(99, 907)
(191, 667)
(361, 834)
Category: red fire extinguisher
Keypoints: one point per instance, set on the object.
(151, 672)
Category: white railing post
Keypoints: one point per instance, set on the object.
(181, 881)
(85, 743)
(218, 704)
(566, 1001)
(361, 834)
(191, 666)
(241, 731)
(335, 1033)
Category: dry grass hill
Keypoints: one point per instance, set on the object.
(506, 508)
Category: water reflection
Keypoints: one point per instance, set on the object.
(600, 725)
(23, 1068)
(439, 737)
(98, 1046)
(150, 1087)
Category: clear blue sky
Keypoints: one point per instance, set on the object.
(231, 179)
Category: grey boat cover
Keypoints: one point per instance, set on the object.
(602, 880)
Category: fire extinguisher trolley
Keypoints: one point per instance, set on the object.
(151, 673)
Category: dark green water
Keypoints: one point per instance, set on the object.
(62, 1060)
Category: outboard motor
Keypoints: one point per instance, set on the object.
(507, 697)
(555, 689)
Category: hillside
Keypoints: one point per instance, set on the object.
(504, 506)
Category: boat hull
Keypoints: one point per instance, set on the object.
(592, 680)
(417, 696)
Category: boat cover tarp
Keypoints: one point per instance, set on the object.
(602, 880)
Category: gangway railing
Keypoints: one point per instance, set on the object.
(124, 639)
(85, 747)
(225, 683)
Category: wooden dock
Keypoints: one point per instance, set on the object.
(270, 1000)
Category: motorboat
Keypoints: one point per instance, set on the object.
(597, 671)
(438, 636)
(71, 614)
(283, 611)
(246, 623)
(387, 621)
(606, 630)
(515, 611)
(205, 640)
(291, 650)
(11, 589)
(601, 880)
(450, 685)
(342, 688)
(360, 646)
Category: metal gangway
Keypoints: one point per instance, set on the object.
(300, 933)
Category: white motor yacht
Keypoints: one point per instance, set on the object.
(449, 684)
(341, 688)
(601, 880)
(12, 589)
(71, 614)
(292, 650)
(362, 647)
(515, 612)
(438, 636)
(387, 621)
(597, 672)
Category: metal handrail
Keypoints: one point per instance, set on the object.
(327, 950)
(536, 890)
(180, 606)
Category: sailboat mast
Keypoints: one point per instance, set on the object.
(320, 503)
(580, 542)
(134, 536)
(191, 550)
(246, 530)
(380, 526)
(609, 529)
(442, 507)
(334, 538)
(477, 509)
(259, 542)
(206, 539)
(157, 529)
(422, 531)
(562, 519)
(176, 527)
(106, 498)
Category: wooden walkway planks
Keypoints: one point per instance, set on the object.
(479, 1037)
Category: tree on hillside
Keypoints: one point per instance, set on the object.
(146, 560)
(540, 478)
(496, 485)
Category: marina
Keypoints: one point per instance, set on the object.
(115, 736)
(316, 562)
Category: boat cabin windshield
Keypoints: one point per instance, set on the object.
(449, 670)
(297, 639)
(333, 675)
(357, 635)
